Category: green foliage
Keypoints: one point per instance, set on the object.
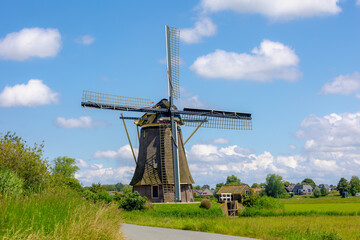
(317, 192)
(217, 188)
(88, 195)
(11, 186)
(274, 186)
(255, 185)
(132, 201)
(27, 162)
(65, 167)
(232, 180)
(308, 181)
(343, 186)
(324, 191)
(250, 199)
(205, 187)
(264, 206)
(286, 183)
(196, 187)
(205, 203)
(103, 197)
(96, 187)
(354, 185)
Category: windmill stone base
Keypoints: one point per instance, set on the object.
(187, 194)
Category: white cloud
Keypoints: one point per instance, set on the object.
(343, 84)
(220, 141)
(358, 2)
(275, 9)
(81, 122)
(30, 42)
(85, 40)
(292, 146)
(94, 173)
(290, 161)
(272, 60)
(190, 100)
(32, 94)
(124, 152)
(203, 28)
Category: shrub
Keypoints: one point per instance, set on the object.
(10, 184)
(317, 192)
(132, 201)
(103, 197)
(250, 199)
(88, 195)
(205, 203)
(269, 203)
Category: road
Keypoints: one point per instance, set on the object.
(136, 232)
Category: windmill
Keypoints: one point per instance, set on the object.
(162, 173)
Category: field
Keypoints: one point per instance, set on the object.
(303, 218)
(57, 216)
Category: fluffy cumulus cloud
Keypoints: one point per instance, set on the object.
(30, 42)
(81, 122)
(331, 150)
(85, 40)
(124, 152)
(275, 9)
(204, 27)
(34, 93)
(343, 84)
(93, 173)
(272, 60)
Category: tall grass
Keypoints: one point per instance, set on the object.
(57, 216)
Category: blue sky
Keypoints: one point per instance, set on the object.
(293, 64)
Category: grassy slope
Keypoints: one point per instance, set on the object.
(281, 227)
(57, 216)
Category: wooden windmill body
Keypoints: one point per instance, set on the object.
(162, 173)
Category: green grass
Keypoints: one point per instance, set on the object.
(57, 216)
(309, 225)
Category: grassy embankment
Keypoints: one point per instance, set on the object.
(324, 218)
(61, 215)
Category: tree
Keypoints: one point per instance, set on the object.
(27, 162)
(286, 183)
(65, 167)
(343, 186)
(217, 188)
(323, 191)
(197, 187)
(308, 181)
(354, 185)
(232, 180)
(255, 185)
(316, 192)
(274, 186)
(205, 187)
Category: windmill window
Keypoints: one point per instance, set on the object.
(155, 191)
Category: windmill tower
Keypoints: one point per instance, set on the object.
(162, 173)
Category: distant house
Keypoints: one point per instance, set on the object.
(303, 190)
(198, 192)
(207, 193)
(257, 190)
(327, 187)
(233, 192)
(289, 189)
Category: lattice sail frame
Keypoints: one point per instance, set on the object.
(217, 122)
(173, 51)
(115, 100)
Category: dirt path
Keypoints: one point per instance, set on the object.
(136, 232)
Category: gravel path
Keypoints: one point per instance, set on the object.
(136, 232)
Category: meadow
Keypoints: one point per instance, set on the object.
(303, 218)
(58, 215)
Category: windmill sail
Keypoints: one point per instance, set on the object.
(172, 55)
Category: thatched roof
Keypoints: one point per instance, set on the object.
(234, 189)
(149, 170)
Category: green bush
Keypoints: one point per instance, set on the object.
(103, 197)
(205, 203)
(250, 200)
(317, 192)
(132, 201)
(88, 195)
(11, 186)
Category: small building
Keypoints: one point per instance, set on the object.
(290, 189)
(197, 192)
(302, 189)
(327, 187)
(233, 192)
(257, 190)
(206, 193)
